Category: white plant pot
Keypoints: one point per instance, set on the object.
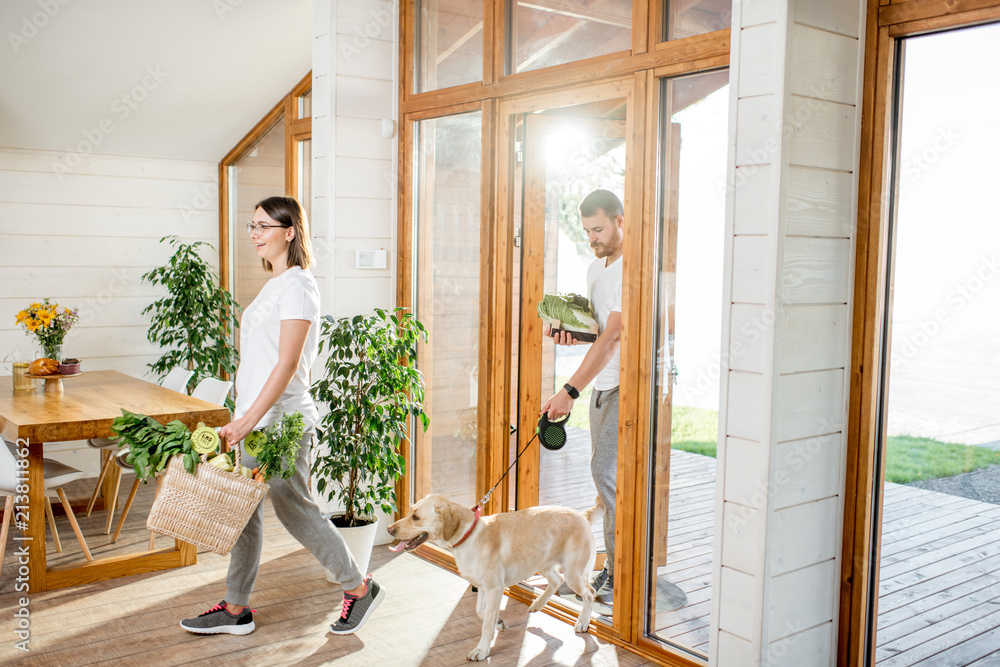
(360, 540)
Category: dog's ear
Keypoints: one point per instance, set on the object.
(451, 521)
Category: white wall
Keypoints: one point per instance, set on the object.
(355, 74)
(84, 238)
(354, 166)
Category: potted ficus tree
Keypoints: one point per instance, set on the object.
(194, 322)
(371, 389)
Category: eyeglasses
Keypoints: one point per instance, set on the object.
(258, 228)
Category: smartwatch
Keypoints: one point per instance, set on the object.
(572, 391)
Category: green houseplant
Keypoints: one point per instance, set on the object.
(195, 320)
(371, 388)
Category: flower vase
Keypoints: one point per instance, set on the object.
(54, 351)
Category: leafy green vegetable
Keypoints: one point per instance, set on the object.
(152, 444)
(570, 312)
(281, 446)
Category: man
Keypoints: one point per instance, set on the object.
(603, 218)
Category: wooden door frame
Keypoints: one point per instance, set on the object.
(487, 401)
(296, 129)
(533, 230)
(886, 23)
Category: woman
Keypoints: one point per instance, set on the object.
(279, 337)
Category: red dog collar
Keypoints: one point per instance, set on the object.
(478, 511)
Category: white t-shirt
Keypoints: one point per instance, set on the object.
(604, 287)
(293, 295)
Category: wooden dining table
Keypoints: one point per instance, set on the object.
(85, 409)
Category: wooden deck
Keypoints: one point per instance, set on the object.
(939, 595)
(939, 598)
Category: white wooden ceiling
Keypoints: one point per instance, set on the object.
(180, 79)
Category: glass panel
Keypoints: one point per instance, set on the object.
(257, 174)
(567, 153)
(305, 104)
(690, 239)
(446, 286)
(304, 195)
(684, 19)
(553, 32)
(939, 561)
(449, 43)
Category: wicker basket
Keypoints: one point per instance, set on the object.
(208, 509)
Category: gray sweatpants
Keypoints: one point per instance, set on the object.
(298, 513)
(604, 460)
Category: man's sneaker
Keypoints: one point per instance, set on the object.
(598, 582)
(218, 620)
(357, 609)
(604, 586)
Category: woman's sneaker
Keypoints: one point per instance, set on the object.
(218, 620)
(357, 609)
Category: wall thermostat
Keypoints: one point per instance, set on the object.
(369, 259)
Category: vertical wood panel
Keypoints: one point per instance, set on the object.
(819, 203)
(824, 65)
(810, 404)
(816, 270)
(813, 338)
(757, 54)
(802, 535)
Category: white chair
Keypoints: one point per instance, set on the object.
(175, 380)
(212, 390)
(55, 476)
(209, 389)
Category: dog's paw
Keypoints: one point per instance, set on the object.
(477, 654)
(582, 625)
(502, 624)
(535, 606)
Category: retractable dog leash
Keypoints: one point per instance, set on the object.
(553, 437)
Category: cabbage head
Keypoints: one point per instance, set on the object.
(570, 312)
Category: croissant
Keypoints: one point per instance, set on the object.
(44, 366)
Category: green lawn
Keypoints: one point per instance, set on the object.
(909, 459)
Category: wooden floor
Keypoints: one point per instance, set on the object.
(939, 597)
(428, 617)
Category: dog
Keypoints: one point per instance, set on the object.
(493, 552)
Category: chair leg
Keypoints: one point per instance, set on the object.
(128, 506)
(72, 522)
(107, 460)
(52, 524)
(7, 511)
(113, 503)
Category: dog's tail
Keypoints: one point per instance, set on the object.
(596, 512)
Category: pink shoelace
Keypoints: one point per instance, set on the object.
(349, 601)
(222, 606)
(215, 608)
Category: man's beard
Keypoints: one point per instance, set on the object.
(601, 251)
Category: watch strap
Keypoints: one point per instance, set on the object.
(572, 391)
